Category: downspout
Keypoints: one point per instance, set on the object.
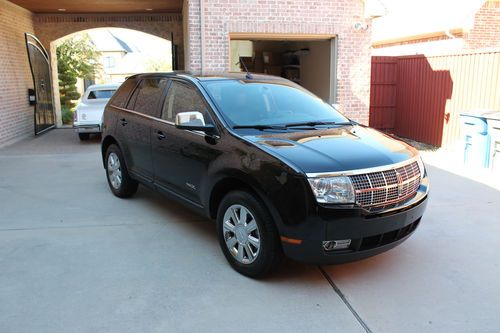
(202, 35)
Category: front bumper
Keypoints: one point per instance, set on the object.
(369, 233)
(87, 128)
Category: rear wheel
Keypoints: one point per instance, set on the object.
(119, 180)
(247, 234)
(84, 136)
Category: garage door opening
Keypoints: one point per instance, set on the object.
(310, 63)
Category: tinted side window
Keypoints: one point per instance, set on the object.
(147, 96)
(184, 98)
(120, 98)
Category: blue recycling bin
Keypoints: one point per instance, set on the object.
(476, 140)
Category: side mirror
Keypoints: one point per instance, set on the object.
(193, 121)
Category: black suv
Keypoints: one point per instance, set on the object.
(277, 168)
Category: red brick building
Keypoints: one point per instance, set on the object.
(328, 42)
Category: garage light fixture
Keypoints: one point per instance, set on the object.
(149, 9)
(61, 9)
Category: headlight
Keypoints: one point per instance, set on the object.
(333, 189)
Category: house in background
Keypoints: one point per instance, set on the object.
(126, 52)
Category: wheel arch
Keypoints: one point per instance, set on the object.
(106, 142)
(228, 183)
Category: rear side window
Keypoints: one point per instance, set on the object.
(120, 97)
(184, 98)
(98, 94)
(146, 98)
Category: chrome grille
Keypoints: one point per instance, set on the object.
(388, 187)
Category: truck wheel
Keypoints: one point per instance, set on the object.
(119, 180)
(84, 136)
(247, 234)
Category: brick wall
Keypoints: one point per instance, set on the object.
(222, 17)
(16, 116)
(485, 33)
(50, 27)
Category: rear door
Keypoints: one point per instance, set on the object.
(134, 125)
(181, 157)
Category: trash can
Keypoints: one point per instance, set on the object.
(475, 140)
(493, 119)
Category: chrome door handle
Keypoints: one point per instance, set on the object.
(160, 135)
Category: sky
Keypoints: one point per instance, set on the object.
(410, 17)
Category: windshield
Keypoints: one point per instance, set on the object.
(257, 103)
(98, 94)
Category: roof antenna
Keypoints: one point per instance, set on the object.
(249, 75)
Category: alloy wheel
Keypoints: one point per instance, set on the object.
(114, 170)
(241, 234)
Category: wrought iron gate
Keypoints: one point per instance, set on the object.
(42, 81)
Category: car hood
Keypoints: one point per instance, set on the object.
(334, 149)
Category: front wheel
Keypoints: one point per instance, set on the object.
(119, 180)
(247, 234)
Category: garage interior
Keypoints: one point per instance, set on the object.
(309, 63)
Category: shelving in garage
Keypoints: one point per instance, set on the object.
(305, 62)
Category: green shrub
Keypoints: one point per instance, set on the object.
(67, 115)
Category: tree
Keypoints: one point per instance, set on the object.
(76, 58)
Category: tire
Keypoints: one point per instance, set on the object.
(119, 180)
(84, 136)
(238, 242)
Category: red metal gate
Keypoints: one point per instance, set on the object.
(421, 97)
(383, 92)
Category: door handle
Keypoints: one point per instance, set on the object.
(124, 121)
(160, 135)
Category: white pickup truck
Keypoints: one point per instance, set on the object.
(87, 118)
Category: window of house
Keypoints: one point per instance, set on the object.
(109, 62)
(146, 98)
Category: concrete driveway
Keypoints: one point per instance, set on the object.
(74, 258)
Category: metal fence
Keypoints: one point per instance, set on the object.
(421, 97)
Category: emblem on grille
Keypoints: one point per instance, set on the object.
(400, 183)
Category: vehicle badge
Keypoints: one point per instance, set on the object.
(400, 183)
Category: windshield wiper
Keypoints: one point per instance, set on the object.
(316, 123)
(260, 127)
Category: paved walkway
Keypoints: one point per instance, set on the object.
(73, 258)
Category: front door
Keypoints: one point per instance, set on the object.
(40, 70)
(181, 157)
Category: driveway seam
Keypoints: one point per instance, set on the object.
(345, 300)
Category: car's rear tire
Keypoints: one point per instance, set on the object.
(247, 234)
(119, 180)
(84, 136)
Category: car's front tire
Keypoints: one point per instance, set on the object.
(119, 181)
(84, 136)
(247, 234)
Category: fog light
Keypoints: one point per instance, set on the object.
(332, 245)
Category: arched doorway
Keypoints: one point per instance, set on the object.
(123, 53)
